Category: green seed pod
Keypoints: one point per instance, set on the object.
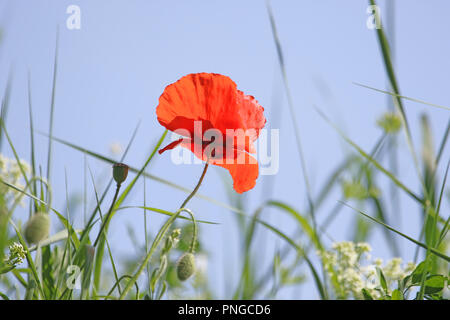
(37, 228)
(186, 266)
(120, 172)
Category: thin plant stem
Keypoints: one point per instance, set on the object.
(108, 216)
(196, 187)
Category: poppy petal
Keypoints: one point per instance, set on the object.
(214, 100)
(198, 97)
(244, 172)
(244, 169)
(252, 115)
(199, 102)
(171, 145)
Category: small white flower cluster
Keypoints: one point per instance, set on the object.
(10, 172)
(351, 269)
(16, 254)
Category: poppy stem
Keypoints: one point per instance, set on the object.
(196, 187)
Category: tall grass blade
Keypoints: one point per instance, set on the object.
(403, 97)
(372, 160)
(5, 105)
(432, 250)
(52, 108)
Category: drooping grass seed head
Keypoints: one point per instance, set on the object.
(186, 266)
(120, 172)
(37, 228)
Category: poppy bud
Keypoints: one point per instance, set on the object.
(186, 266)
(37, 228)
(120, 172)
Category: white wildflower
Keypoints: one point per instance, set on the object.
(353, 269)
(12, 172)
(16, 254)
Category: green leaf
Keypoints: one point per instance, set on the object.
(434, 284)
(396, 295)
(366, 294)
(382, 280)
(417, 274)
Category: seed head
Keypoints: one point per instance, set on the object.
(37, 228)
(120, 172)
(186, 266)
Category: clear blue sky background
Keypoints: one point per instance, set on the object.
(112, 71)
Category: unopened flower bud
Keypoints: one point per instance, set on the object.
(120, 172)
(186, 266)
(37, 228)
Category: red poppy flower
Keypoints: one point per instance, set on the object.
(202, 103)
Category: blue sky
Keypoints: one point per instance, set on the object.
(112, 71)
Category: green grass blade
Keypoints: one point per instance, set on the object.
(292, 111)
(432, 250)
(59, 236)
(403, 97)
(52, 108)
(29, 259)
(438, 209)
(443, 142)
(121, 198)
(372, 160)
(16, 156)
(302, 221)
(59, 215)
(159, 237)
(98, 264)
(32, 151)
(385, 50)
(316, 277)
(5, 105)
(164, 212)
(89, 224)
